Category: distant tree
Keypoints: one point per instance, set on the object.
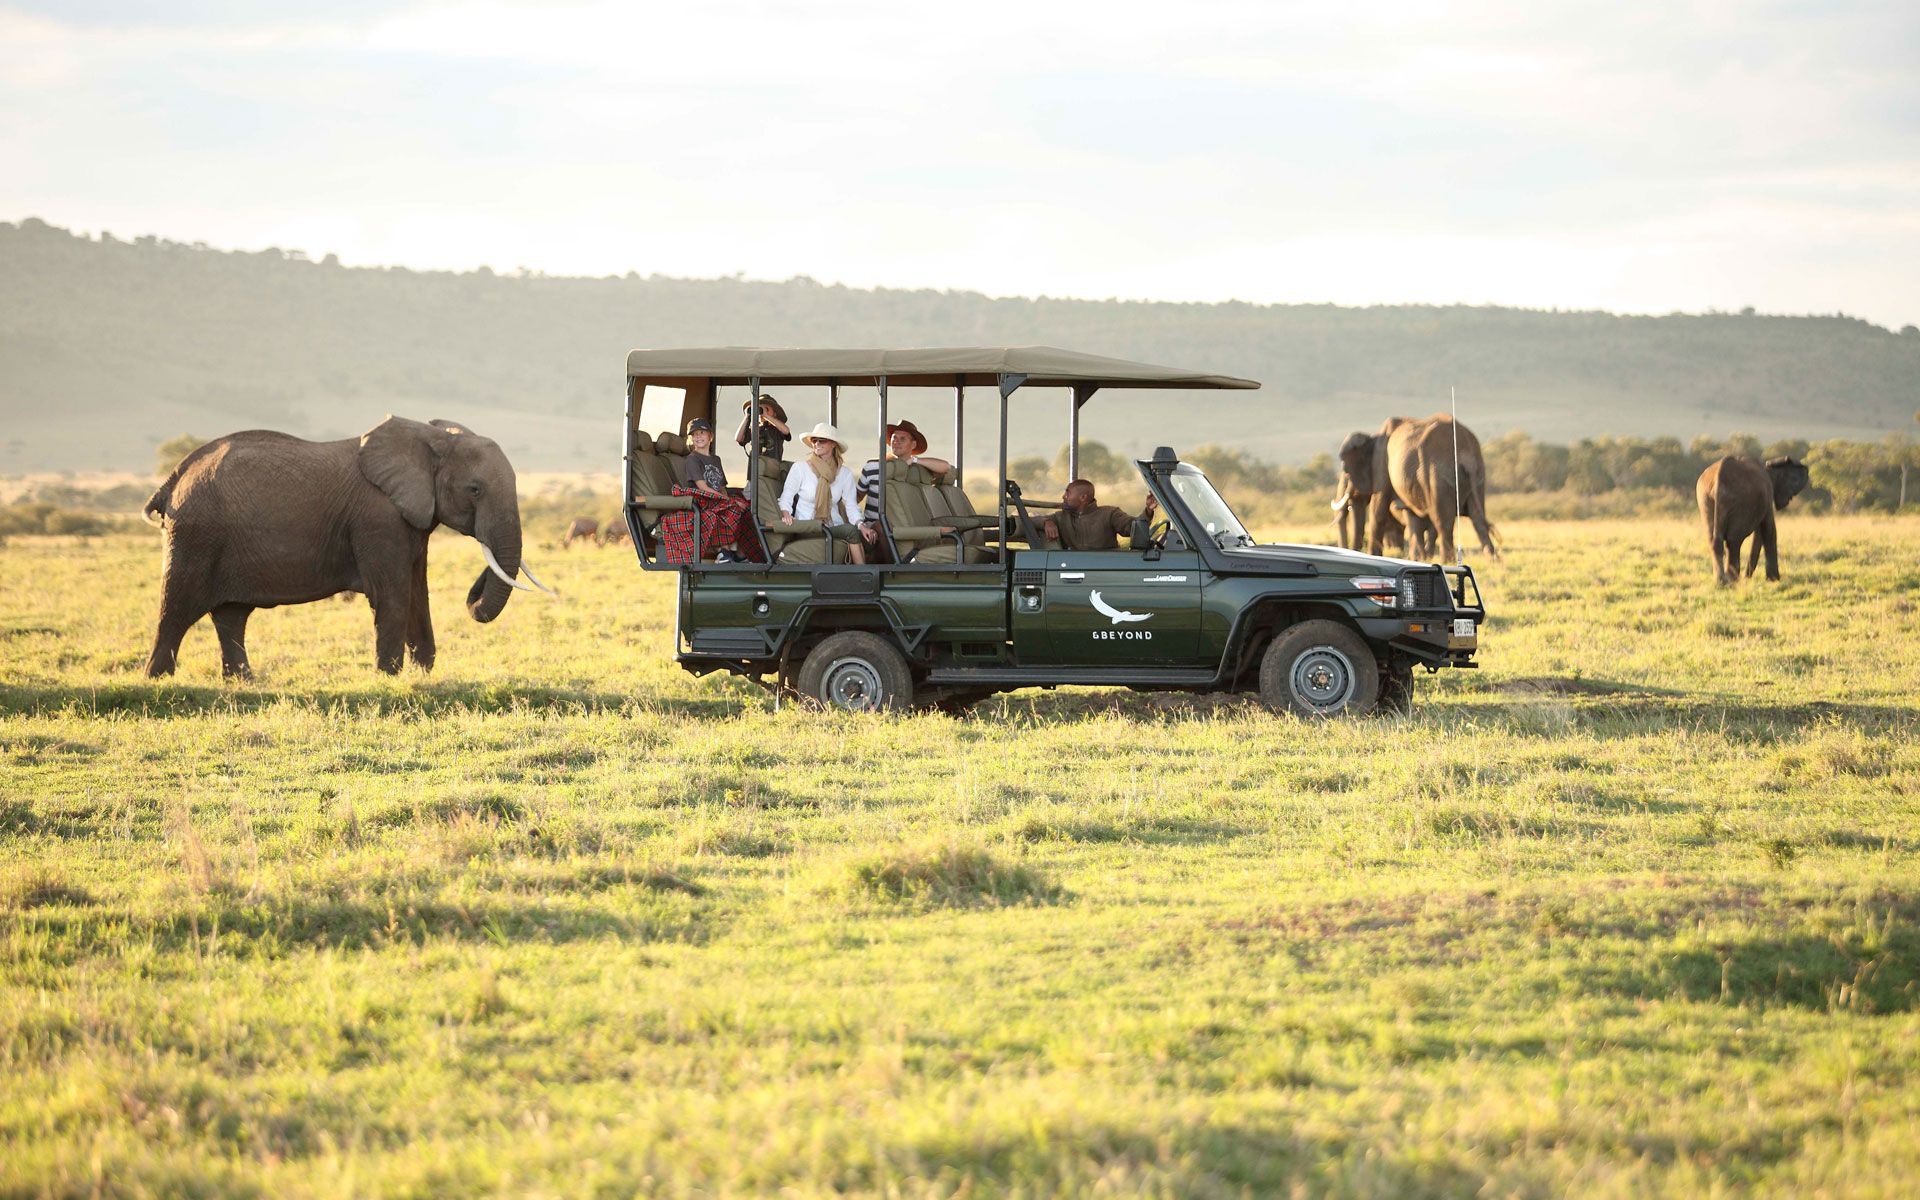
(171, 451)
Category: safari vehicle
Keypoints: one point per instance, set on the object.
(1191, 603)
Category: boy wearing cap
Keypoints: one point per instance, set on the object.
(703, 471)
(705, 475)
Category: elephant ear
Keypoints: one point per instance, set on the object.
(399, 456)
(1382, 481)
(1357, 450)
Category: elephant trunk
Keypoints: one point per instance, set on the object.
(488, 595)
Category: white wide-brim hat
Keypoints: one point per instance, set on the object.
(824, 432)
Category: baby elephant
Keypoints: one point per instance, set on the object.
(584, 529)
(1738, 498)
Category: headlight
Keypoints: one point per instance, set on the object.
(1381, 589)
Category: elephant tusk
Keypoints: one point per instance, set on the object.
(535, 579)
(1339, 502)
(493, 564)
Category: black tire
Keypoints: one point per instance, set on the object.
(1320, 669)
(857, 672)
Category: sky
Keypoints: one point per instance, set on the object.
(1639, 158)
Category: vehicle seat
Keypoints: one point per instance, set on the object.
(910, 516)
(672, 447)
(803, 542)
(651, 481)
(951, 506)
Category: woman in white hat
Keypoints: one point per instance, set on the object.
(820, 487)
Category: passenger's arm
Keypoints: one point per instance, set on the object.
(844, 492)
(938, 466)
(746, 422)
(790, 494)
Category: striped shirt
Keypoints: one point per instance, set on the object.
(870, 488)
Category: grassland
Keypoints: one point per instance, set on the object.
(1635, 910)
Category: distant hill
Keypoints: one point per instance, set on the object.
(108, 347)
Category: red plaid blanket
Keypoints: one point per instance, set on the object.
(722, 522)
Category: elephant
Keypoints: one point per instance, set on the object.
(614, 532)
(1395, 524)
(1411, 463)
(585, 529)
(1738, 498)
(259, 519)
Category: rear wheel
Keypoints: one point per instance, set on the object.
(857, 672)
(1320, 669)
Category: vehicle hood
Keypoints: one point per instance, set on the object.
(1288, 559)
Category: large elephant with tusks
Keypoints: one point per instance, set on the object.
(260, 519)
(1412, 463)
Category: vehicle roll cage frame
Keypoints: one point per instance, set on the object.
(707, 405)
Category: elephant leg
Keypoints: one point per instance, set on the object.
(1382, 513)
(1753, 556)
(180, 606)
(420, 620)
(390, 632)
(230, 622)
(1735, 544)
(175, 620)
(1444, 520)
(1770, 538)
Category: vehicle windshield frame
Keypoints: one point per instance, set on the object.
(1197, 531)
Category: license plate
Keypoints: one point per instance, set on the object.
(1463, 627)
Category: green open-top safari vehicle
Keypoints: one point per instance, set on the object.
(975, 603)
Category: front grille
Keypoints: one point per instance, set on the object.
(1023, 578)
(1425, 589)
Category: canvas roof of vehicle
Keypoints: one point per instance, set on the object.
(974, 366)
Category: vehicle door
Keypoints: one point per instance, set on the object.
(1122, 608)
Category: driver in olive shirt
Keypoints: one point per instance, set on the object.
(1083, 524)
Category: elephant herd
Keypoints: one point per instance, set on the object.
(1404, 486)
(1408, 483)
(586, 529)
(261, 519)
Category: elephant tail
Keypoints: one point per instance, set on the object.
(155, 512)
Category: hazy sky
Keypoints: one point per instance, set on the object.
(1642, 158)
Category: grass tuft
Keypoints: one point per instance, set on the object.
(949, 876)
(41, 888)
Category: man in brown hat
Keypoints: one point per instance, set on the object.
(905, 443)
(1083, 524)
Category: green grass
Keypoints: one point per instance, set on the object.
(1633, 910)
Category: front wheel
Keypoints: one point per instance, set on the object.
(1320, 669)
(857, 672)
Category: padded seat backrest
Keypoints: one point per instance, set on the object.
(673, 448)
(648, 472)
(951, 501)
(766, 502)
(909, 502)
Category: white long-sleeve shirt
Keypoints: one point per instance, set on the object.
(797, 496)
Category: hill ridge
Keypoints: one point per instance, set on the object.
(108, 346)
